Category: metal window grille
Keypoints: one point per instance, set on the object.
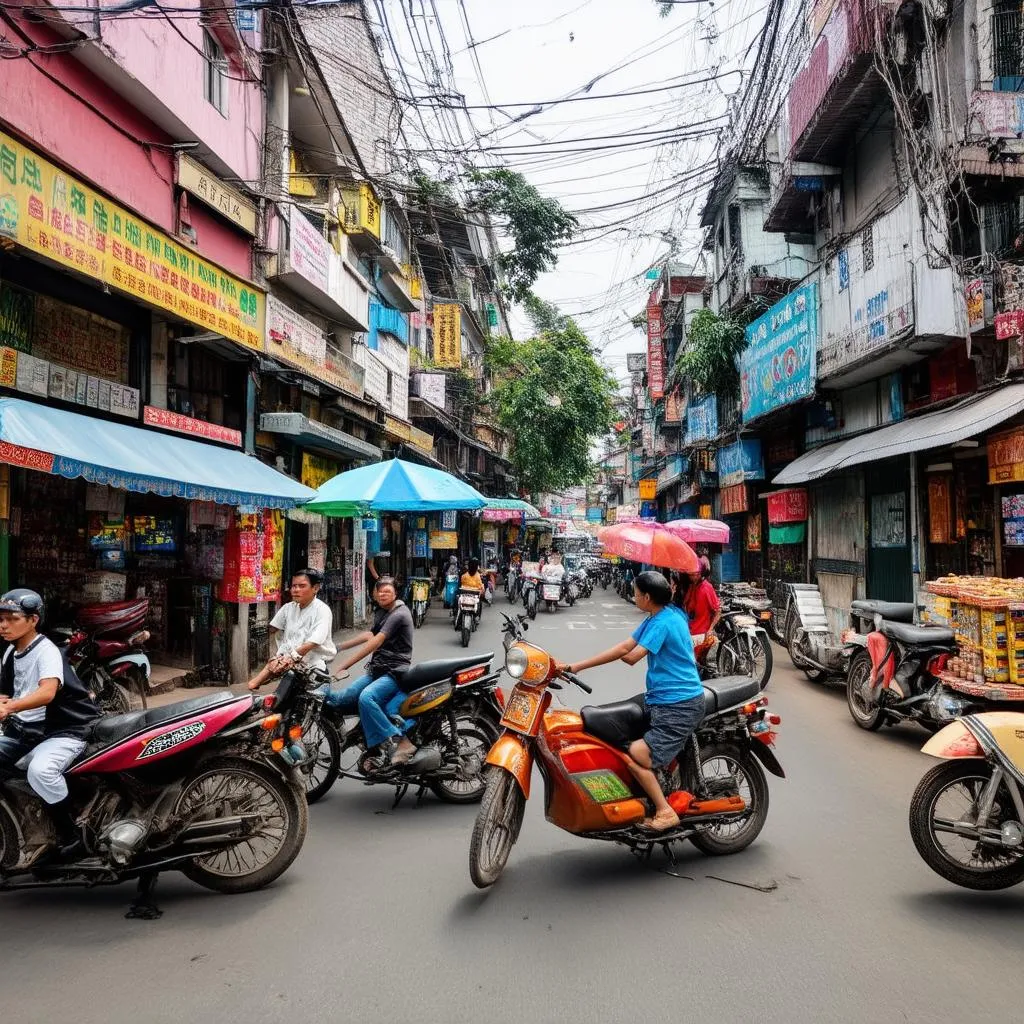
(868, 243)
(1008, 49)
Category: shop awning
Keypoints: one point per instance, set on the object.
(504, 509)
(71, 445)
(957, 422)
(304, 431)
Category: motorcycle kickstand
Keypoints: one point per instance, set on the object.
(420, 793)
(400, 792)
(144, 907)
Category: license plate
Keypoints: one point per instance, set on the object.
(467, 602)
(552, 593)
(521, 710)
(744, 620)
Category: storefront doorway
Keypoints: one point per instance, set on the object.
(889, 560)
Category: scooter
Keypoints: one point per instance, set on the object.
(531, 584)
(419, 587)
(467, 614)
(552, 579)
(451, 587)
(717, 785)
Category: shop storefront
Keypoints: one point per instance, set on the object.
(1006, 477)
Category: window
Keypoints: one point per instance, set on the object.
(735, 237)
(1007, 50)
(215, 83)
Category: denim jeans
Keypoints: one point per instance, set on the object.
(377, 701)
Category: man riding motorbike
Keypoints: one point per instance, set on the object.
(376, 694)
(45, 709)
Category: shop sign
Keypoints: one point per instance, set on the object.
(309, 253)
(752, 532)
(1006, 457)
(975, 295)
(1009, 324)
(449, 518)
(595, 514)
(448, 334)
(420, 544)
(195, 179)
(444, 540)
(253, 557)
(69, 336)
(733, 500)
(294, 335)
(674, 407)
(636, 362)
(316, 470)
(779, 365)
(789, 506)
(168, 420)
(940, 508)
(655, 351)
(57, 216)
(648, 488)
(397, 428)
(431, 388)
(740, 462)
(702, 420)
(422, 440)
(29, 458)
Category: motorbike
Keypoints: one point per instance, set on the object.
(467, 614)
(206, 786)
(624, 583)
(744, 647)
(106, 647)
(451, 588)
(901, 681)
(717, 785)
(513, 582)
(552, 582)
(967, 813)
(531, 596)
(455, 712)
(419, 588)
(754, 601)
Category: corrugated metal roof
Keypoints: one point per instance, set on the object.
(973, 415)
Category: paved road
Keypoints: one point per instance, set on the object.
(378, 915)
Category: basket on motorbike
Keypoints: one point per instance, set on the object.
(116, 621)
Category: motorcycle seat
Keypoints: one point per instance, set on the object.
(427, 672)
(112, 729)
(617, 724)
(728, 691)
(921, 636)
(891, 611)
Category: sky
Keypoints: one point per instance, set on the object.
(635, 168)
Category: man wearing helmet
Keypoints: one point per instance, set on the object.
(45, 710)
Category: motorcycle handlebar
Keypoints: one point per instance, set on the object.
(576, 681)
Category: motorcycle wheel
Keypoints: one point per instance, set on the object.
(115, 700)
(10, 845)
(732, 659)
(551, 606)
(510, 592)
(226, 786)
(137, 687)
(474, 741)
(531, 605)
(718, 763)
(858, 674)
(323, 744)
(497, 827)
(417, 617)
(816, 675)
(978, 867)
(467, 631)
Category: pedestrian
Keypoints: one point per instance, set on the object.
(702, 604)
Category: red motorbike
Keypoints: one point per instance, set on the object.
(207, 786)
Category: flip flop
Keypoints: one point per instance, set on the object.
(648, 825)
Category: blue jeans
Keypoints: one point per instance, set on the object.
(377, 701)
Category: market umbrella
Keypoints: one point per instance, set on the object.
(394, 486)
(699, 531)
(650, 543)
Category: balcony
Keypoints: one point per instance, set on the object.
(796, 186)
(994, 145)
(360, 216)
(836, 90)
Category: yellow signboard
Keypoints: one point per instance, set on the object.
(194, 178)
(444, 540)
(448, 334)
(396, 428)
(1006, 457)
(55, 215)
(422, 440)
(360, 210)
(316, 471)
(649, 489)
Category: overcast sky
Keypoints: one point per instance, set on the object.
(634, 193)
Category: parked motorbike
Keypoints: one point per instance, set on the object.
(744, 648)
(531, 592)
(900, 680)
(753, 600)
(419, 589)
(467, 614)
(513, 583)
(717, 785)
(456, 713)
(106, 647)
(967, 813)
(205, 786)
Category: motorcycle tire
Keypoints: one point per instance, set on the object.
(816, 675)
(731, 659)
(323, 744)
(10, 843)
(115, 700)
(871, 719)
(477, 733)
(934, 783)
(706, 840)
(466, 632)
(531, 606)
(501, 814)
(510, 592)
(417, 617)
(290, 802)
(134, 681)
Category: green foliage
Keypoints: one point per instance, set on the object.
(553, 398)
(713, 345)
(536, 225)
(426, 191)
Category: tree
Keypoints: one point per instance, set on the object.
(713, 346)
(553, 398)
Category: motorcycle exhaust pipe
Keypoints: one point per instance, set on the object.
(216, 830)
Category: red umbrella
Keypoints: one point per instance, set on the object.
(699, 531)
(650, 543)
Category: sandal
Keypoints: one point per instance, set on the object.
(661, 822)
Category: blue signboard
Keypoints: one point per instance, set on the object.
(702, 420)
(648, 510)
(739, 463)
(595, 514)
(779, 364)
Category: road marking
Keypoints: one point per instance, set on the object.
(618, 604)
(581, 625)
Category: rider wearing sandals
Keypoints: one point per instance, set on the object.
(675, 695)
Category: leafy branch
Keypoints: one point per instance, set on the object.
(713, 346)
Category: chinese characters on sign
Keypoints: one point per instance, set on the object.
(448, 335)
(636, 362)
(733, 500)
(789, 506)
(702, 420)
(674, 407)
(1006, 457)
(648, 489)
(154, 417)
(655, 351)
(316, 470)
(940, 508)
(55, 215)
(194, 178)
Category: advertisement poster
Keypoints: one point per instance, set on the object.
(740, 462)
(940, 508)
(444, 540)
(753, 532)
(655, 352)
(788, 506)
(449, 519)
(253, 557)
(779, 365)
(448, 334)
(648, 489)
(702, 420)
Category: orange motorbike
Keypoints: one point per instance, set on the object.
(717, 785)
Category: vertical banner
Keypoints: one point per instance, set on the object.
(448, 334)
(655, 351)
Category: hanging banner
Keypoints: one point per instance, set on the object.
(673, 408)
(649, 489)
(788, 506)
(752, 533)
(740, 462)
(448, 334)
(1006, 457)
(50, 213)
(733, 500)
(655, 351)
(940, 508)
(702, 420)
(636, 362)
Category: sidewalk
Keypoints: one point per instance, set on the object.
(170, 684)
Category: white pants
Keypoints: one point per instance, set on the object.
(46, 763)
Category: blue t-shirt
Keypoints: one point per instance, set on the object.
(671, 667)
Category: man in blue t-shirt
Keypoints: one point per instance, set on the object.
(675, 695)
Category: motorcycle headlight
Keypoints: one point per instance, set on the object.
(947, 707)
(516, 662)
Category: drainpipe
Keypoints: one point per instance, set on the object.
(916, 552)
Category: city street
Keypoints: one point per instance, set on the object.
(833, 917)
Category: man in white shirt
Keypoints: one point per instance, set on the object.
(306, 627)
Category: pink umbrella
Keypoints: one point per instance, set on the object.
(699, 531)
(651, 543)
